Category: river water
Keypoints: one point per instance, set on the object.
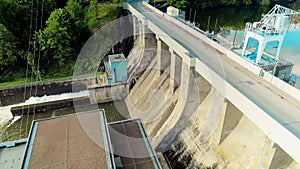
(20, 129)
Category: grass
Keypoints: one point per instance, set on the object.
(17, 76)
(107, 12)
(22, 81)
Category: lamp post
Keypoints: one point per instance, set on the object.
(274, 70)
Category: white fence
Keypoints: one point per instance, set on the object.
(222, 49)
(292, 91)
(281, 135)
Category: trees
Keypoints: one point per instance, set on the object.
(8, 47)
(211, 3)
(55, 39)
(265, 2)
(178, 3)
(47, 35)
(9, 11)
(79, 30)
(94, 7)
(61, 39)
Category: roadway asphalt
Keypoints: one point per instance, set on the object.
(285, 112)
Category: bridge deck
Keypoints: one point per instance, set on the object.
(273, 102)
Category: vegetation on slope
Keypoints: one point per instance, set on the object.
(41, 39)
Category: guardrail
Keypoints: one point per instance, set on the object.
(280, 134)
(292, 91)
(254, 69)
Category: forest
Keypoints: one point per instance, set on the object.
(40, 39)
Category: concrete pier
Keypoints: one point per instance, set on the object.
(220, 126)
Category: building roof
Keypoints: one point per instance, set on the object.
(117, 58)
(85, 140)
(130, 143)
(73, 141)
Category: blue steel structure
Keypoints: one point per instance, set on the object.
(116, 68)
(268, 32)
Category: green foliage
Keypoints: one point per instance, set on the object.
(228, 2)
(55, 39)
(212, 3)
(296, 6)
(9, 11)
(8, 47)
(247, 2)
(178, 3)
(75, 10)
(59, 31)
(230, 16)
(265, 2)
(83, 2)
(93, 7)
(105, 13)
(14, 75)
(59, 40)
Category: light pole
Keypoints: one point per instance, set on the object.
(195, 17)
(190, 14)
(274, 70)
(208, 22)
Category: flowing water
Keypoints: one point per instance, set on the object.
(5, 113)
(21, 126)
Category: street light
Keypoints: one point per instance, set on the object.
(274, 69)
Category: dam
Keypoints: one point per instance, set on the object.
(199, 113)
(202, 106)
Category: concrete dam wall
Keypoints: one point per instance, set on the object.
(189, 120)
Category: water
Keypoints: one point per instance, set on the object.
(57, 97)
(179, 157)
(5, 113)
(12, 131)
(233, 19)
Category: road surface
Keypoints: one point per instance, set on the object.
(284, 111)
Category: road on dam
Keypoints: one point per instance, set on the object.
(287, 113)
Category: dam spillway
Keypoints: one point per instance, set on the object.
(210, 136)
